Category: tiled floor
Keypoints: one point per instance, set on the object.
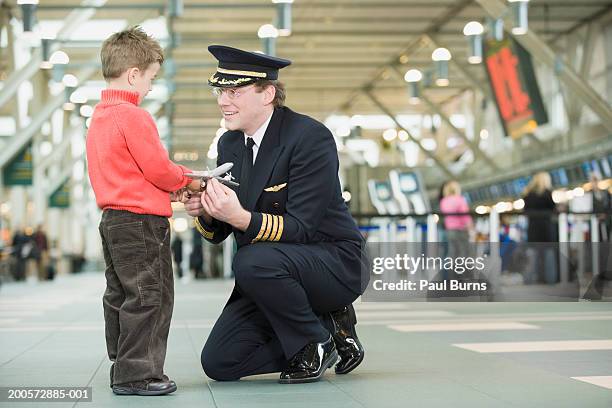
(418, 354)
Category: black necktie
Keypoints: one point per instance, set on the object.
(245, 170)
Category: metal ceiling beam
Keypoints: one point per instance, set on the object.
(318, 4)
(577, 155)
(263, 5)
(472, 144)
(8, 56)
(543, 53)
(62, 151)
(391, 115)
(23, 137)
(353, 33)
(593, 17)
(4, 22)
(74, 20)
(478, 83)
(390, 16)
(435, 27)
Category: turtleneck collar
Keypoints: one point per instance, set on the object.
(119, 95)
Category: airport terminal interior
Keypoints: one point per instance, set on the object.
(503, 106)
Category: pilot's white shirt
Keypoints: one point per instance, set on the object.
(258, 137)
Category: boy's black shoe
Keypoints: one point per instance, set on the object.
(148, 387)
(112, 374)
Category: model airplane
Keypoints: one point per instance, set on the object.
(222, 174)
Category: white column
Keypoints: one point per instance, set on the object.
(393, 225)
(563, 248)
(595, 248)
(411, 229)
(432, 228)
(18, 199)
(493, 226)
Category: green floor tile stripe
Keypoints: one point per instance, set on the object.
(102, 360)
(212, 394)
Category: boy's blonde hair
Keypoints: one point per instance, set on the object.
(131, 48)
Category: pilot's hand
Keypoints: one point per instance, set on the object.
(193, 205)
(222, 204)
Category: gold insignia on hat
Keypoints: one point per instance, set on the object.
(243, 73)
(231, 82)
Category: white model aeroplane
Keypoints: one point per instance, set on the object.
(221, 174)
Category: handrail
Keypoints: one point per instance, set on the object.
(473, 213)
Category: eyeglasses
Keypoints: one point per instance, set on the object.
(232, 93)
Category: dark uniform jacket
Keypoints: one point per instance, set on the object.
(294, 195)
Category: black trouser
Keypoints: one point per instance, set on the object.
(139, 294)
(281, 302)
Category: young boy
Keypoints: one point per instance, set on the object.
(132, 179)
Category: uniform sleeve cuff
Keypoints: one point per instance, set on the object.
(207, 231)
(266, 227)
(254, 226)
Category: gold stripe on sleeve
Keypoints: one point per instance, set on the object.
(203, 231)
(281, 223)
(272, 222)
(274, 228)
(264, 221)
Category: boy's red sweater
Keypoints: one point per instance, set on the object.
(129, 169)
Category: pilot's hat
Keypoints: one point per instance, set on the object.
(240, 68)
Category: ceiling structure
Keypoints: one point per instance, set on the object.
(338, 49)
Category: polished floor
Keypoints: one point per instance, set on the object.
(418, 354)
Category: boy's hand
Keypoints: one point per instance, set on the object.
(180, 196)
(222, 204)
(195, 185)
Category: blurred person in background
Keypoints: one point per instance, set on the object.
(22, 248)
(602, 205)
(539, 206)
(196, 258)
(41, 253)
(538, 201)
(55, 255)
(441, 229)
(457, 226)
(177, 255)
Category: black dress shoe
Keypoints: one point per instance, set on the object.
(148, 387)
(310, 363)
(112, 376)
(349, 348)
